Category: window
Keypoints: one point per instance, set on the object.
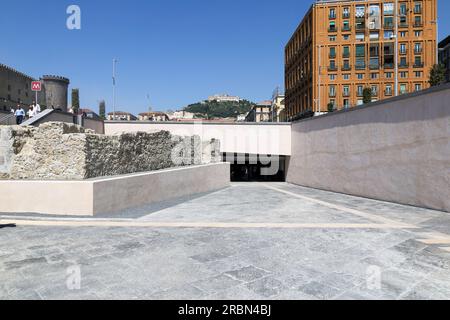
(417, 21)
(388, 90)
(417, 48)
(360, 37)
(332, 52)
(403, 48)
(388, 75)
(389, 35)
(403, 34)
(360, 91)
(332, 27)
(388, 8)
(403, 62)
(332, 91)
(332, 38)
(403, 9)
(332, 13)
(374, 90)
(388, 22)
(417, 87)
(346, 13)
(374, 36)
(418, 62)
(417, 34)
(346, 26)
(346, 52)
(346, 103)
(403, 74)
(332, 77)
(374, 76)
(360, 50)
(346, 37)
(417, 8)
(346, 76)
(403, 89)
(360, 102)
(346, 91)
(418, 74)
(360, 76)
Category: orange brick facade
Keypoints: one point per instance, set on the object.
(352, 43)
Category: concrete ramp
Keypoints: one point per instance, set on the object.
(38, 119)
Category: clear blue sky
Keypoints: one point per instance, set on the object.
(178, 51)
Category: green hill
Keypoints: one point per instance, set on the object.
(214, 109)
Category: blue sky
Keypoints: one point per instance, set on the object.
(177, 51)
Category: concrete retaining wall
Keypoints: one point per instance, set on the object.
(97, 196)
(397, 150)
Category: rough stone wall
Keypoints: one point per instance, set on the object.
(61, 151)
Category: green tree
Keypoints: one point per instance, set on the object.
(102, 109)
(75, 100)
(367, 95)
(330, 107)
(437, 75)
(215, 109)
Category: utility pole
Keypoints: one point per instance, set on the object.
(396, 15)
(319, 100)
(114, 88)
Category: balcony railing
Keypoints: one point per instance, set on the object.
(332, 68)
(403, 65)
(332, 94)
(418, 50)
(332, 55)
(346, 94)
(346, 54)
(418, 24)
(374, 66)
(417, 10)
(403, 25)
(334, 29)
(346, 68)
(389, 66)
(360, 66)
(388, 93)
(389, 26)
(403, 52)
(418, 65)
(360, 27)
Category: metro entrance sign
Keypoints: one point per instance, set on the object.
(36, 86)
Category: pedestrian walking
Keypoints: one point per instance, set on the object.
(20, 115)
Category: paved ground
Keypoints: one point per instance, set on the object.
(250, 241)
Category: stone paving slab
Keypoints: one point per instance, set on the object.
(318, 262)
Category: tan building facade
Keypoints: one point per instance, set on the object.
(342, 47)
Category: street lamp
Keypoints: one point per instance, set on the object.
(114, 87)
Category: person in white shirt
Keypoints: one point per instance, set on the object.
(20, 115)
(30, 112)
(36, 108)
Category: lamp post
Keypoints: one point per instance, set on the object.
(114, 88)
(437, 39)
(319, 100)
(396, 15)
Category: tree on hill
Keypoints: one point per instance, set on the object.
(367, 95)
(215, 109)
(437, 75)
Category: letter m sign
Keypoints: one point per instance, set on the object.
(36, 86)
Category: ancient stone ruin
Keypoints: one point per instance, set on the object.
(61, 151)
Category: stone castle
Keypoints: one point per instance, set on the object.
(15, 88)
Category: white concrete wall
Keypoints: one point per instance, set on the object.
(265, 139)
(97, 196)
(397, 150)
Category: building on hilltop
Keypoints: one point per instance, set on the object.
(444, 56)
(153, 116)
(342, 47)
(120, 116)
(15, 88)
(224, 98)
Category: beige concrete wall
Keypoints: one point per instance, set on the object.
(397, 150)
(97, 196)
(251, 138)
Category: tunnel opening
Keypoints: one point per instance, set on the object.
(257, 168)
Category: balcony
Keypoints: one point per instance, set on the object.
(360, 27)
(403, 52)
(332, 68)
(389, 66)
(418, 65)
(403, 25)
(388, 93)
(360, 66)
(332, 94)
(418, 50)
(346, 29)
(332, 16)
(332, 29)
(417, 10)
(418, 24)
(374, 66)
(346, 94)
(346, 68)
(346, 55)
(388, 26)
(403, 65)
(332, 55)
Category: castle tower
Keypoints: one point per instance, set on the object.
(56, 89)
